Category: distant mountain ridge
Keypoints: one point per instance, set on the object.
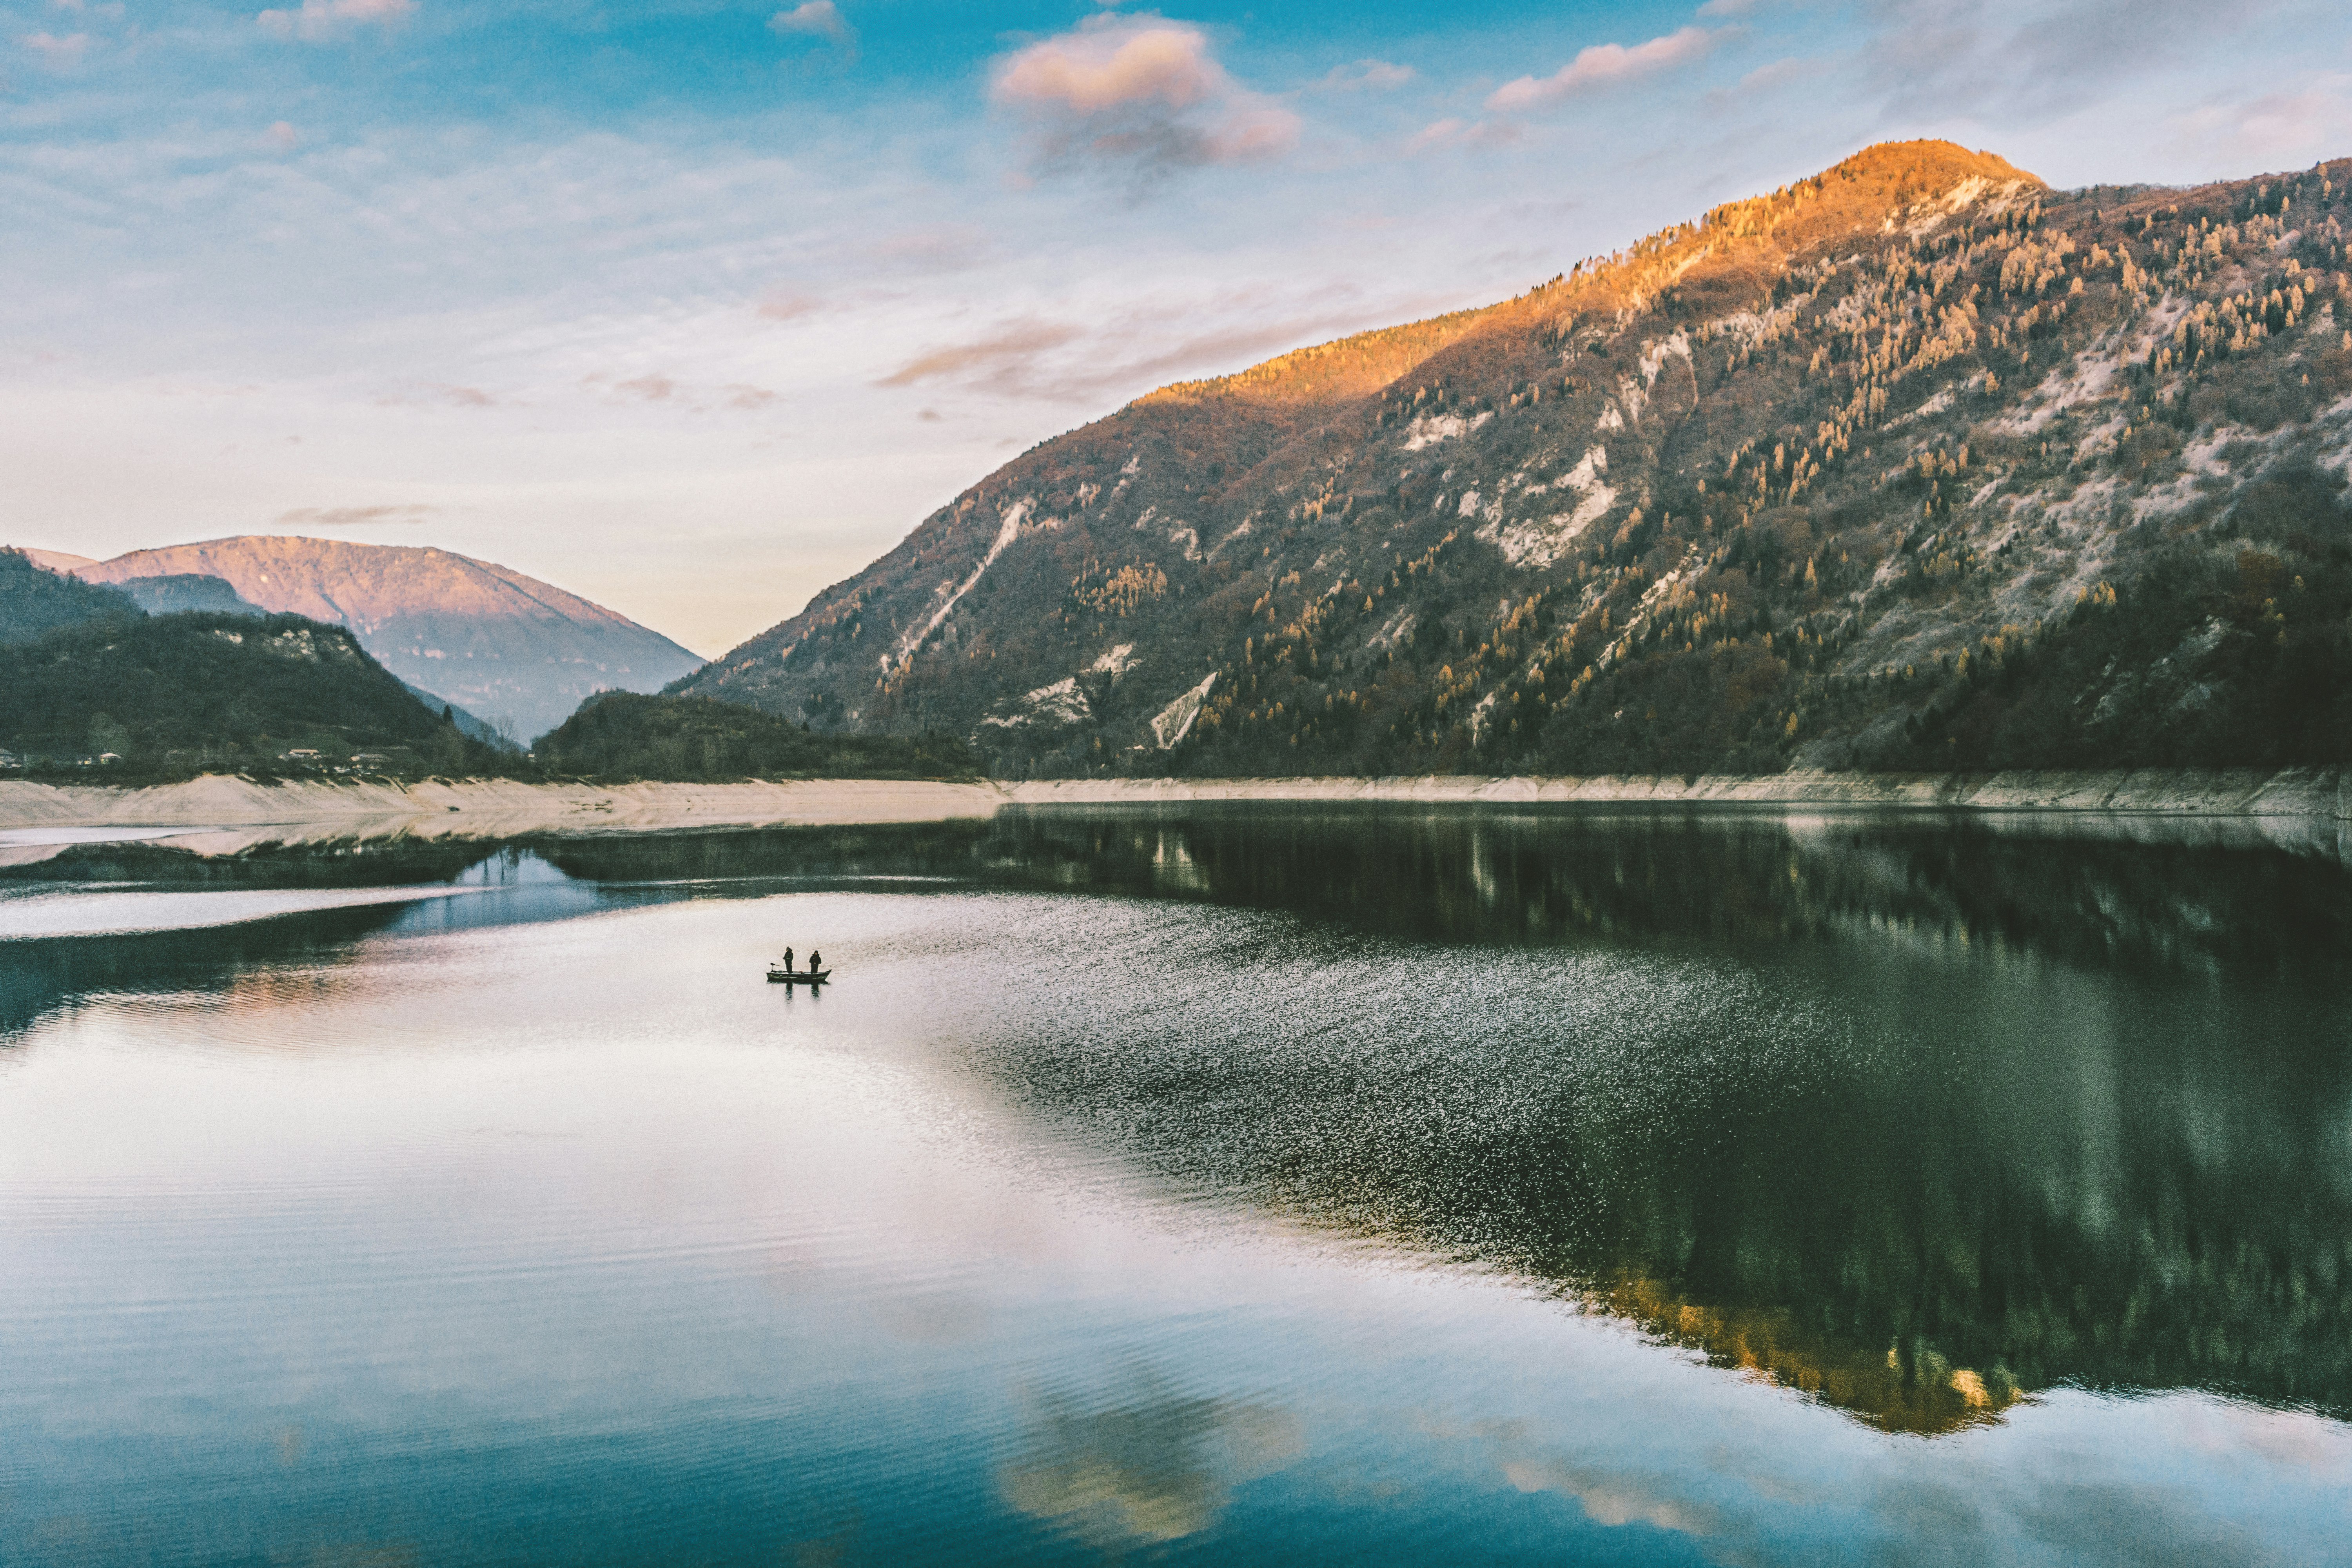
(1916, 463)
(88, 677)
(475, 634)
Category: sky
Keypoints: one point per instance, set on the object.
(695, 307)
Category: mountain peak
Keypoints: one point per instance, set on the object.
(474, 633)
(1913, 186)
(1915, 462)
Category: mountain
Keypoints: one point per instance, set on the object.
(508, 647)
(173, 693)
(1917, 463)
(173, 594)
(55, 560)
(36, 600)
(622, 736)
(181, 593)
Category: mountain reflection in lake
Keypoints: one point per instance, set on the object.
(1258, 1184)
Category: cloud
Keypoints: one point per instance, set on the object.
(820, 18)
(1139, 93)
(936, 247)
(2277, 128)
(2013, 61)
(1450, 133)
(320, 20)
(1604, 65)
(353, 515)
(788, 305)
(1002, 360)
(1727, 8)
(1779, 73)
(652, 388)
(57, 53)
(817, 19)
(1368, 76)
(283, 136)
(1137, 348)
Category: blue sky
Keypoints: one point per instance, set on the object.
(696, 308)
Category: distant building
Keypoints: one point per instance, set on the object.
(300, 754)
(369, 759)
(10, 763)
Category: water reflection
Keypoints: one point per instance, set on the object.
(1912, 1115)
(1152, 1466)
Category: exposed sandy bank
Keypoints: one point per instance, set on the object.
(490, 808)
(495, 808)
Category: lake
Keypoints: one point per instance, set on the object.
(1235, 1184)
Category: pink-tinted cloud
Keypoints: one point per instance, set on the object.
(788, 305)
(1369, 75)
(319, 21)
(57, 53)
(2297, 126)
(1441, 134)
(354, 516)
(1142, 93)
(817, 19)
(1005, 359)
(1113, 62)
(283, 136)
(1604, 65)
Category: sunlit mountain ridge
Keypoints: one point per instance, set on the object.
(1916, 463)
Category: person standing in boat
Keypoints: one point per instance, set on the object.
(816, 961)
(788, 958)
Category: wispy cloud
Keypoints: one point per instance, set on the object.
(1452, 132)
(2278, 127)
(354, 516)
(2025, 62)
(820, 19)
(55, 52)
(1780, 73)
(321, 21)
(652, 388)
(1604, 65)
(1003, 360)
(1369, 75)
(1141, 94)
(934, 247)
(788, 305)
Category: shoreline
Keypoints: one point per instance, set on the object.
(507, 808)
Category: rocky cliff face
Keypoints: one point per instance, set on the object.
(1915, 463)
(471, 633)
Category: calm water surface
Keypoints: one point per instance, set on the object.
(1242, 1185)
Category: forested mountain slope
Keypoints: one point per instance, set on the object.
(1916, 463)
(175, 694)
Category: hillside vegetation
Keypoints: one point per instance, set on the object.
(173, 695)
(1915, 464)
(622, 736)
(34, 602)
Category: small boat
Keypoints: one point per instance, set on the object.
(798, 976)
